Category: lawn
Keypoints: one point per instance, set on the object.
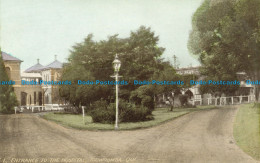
(246, 130)
(161, 115)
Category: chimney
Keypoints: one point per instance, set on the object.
(38, 60)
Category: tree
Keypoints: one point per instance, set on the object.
(166, 73)
(225, 36)
(91, 60)
(7, 96)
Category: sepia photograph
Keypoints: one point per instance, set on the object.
(129, 81)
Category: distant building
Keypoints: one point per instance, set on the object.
(188, 71)
(33, 94)
(193, 92)
(35, 68)
(198, 98)
(51, 72)
(242, 77)
(12, 67)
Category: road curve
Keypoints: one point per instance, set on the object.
(203, 136)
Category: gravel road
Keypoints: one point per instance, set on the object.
(202, 136)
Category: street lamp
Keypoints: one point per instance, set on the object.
(116, 65)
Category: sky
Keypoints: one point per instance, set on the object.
(32, 29)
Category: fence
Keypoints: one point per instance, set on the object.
(231, 100)
(32, 108)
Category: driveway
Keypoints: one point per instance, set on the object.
(202, 136)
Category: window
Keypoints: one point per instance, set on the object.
(197, 91)
(8, 71)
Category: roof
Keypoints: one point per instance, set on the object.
(35, 68)
(9, 57)
(54, 65)
(31, 75)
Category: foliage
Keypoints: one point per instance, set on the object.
(225, 36)
(75, 121)
(135, 114)
(102, 112)
(91, 60)
(129, 112)
(103, 116)
(80, 94)
(7, 96)
(184, 99)
(143, 96)
(167, 73)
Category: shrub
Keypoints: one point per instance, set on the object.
(183, 100)
(101, 104)
(103, 116)
(101, 113)
(128, 112)
(136, 114)
(143, 96)
(148, 102)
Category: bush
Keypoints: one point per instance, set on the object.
(136, 114)
(143, 96)
(128, 112)
(101, 113)
(103, 116)
(183, 100)
(101, 104)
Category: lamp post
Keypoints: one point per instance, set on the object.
(116, 65)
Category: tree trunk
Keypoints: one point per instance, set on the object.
(257, 87)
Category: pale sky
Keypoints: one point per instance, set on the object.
(32, 29)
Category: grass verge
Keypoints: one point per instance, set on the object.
(246, 130)
(161, 115)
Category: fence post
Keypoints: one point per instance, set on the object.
(83, 114)
(240, 99)
(15, 108)
(248, 99)
(163, 97)
(232, 100)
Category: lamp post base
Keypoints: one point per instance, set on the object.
(116, 128)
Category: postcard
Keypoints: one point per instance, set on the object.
(135, 81)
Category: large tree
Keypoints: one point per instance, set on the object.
(7, 96)
(225, 36)
(91, 60)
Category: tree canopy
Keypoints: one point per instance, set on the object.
(92, 60)
(225, 36)
(7, 96)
